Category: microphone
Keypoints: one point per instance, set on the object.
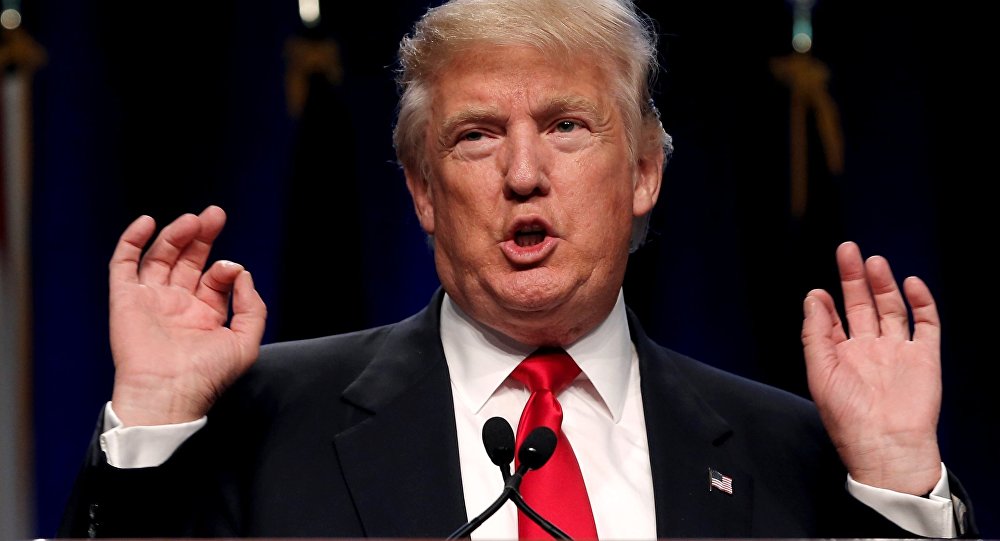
(536, 450)
(538, 446)
(498, 438)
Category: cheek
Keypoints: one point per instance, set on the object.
(466, 198)
(603, 216)
(606, 196)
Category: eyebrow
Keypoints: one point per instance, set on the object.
(551, 107)
(469, 114)
(564, 104)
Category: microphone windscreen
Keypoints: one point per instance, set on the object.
(498, 438)
(537, 448)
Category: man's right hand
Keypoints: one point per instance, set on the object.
(173, 352)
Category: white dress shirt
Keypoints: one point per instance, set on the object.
(603, 420)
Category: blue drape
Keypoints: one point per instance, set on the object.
(164, 109)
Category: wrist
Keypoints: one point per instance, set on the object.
(154, 403)
(908, 470)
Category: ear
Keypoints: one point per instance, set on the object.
(423, 198)
(648, 177)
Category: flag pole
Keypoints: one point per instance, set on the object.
(20, 57)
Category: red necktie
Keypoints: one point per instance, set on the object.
(556, 490)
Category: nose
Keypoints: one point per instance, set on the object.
(526, 164)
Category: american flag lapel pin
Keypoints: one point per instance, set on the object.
(716, 480)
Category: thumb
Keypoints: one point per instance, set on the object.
(249, 314)
(818, 334)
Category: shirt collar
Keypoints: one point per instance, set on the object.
(480, 359)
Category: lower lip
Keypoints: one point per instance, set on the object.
(528, 255)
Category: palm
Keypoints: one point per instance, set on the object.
(876, 384)
(882, 382)
(172, 335)
(172, 348)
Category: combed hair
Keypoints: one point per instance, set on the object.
(612, 33)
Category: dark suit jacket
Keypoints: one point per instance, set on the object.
(354, 435)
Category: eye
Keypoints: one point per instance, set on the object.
(472, 136)
(566, 126)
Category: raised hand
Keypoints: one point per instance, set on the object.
(173, 351)
(877, 387)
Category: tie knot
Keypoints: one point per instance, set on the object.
(547, 369)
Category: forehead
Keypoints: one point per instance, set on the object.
(504, 76)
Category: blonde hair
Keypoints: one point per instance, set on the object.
(612, 32)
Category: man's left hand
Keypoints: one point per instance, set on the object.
(876, 384)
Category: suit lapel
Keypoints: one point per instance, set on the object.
(401, 463)
(687, 439)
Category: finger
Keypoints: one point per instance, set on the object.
(124, 265)
(837, 331)
(159, 261)
(187, 272)
(862, 318)
(217, 284)
(818, 341)
(892, 317)
(249, 314)
(926, 323)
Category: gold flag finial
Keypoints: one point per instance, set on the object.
(807, 78)
(307, 57)
(21, 51)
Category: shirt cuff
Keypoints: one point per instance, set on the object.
(932, 516)
(143, 446)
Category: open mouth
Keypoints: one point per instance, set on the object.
(529, 241)
(529, 235)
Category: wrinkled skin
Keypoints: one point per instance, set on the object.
(532, 192)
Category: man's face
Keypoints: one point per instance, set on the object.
(531, 192)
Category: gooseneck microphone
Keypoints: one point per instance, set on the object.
(538, 446)
(536, 450)
(498, 438)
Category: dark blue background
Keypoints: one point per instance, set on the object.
(163, 108)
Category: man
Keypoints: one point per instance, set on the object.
(533, 155)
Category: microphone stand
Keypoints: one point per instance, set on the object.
(549, 528)
(535, 451)
(467, 529)
(513, 483)
(510, 493)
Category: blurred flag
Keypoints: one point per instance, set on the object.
(20, 56)
(323, 208)
(807, 79)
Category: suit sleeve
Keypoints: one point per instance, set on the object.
(189, 495)
(965, 519)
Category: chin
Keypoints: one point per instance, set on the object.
(534, 291)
